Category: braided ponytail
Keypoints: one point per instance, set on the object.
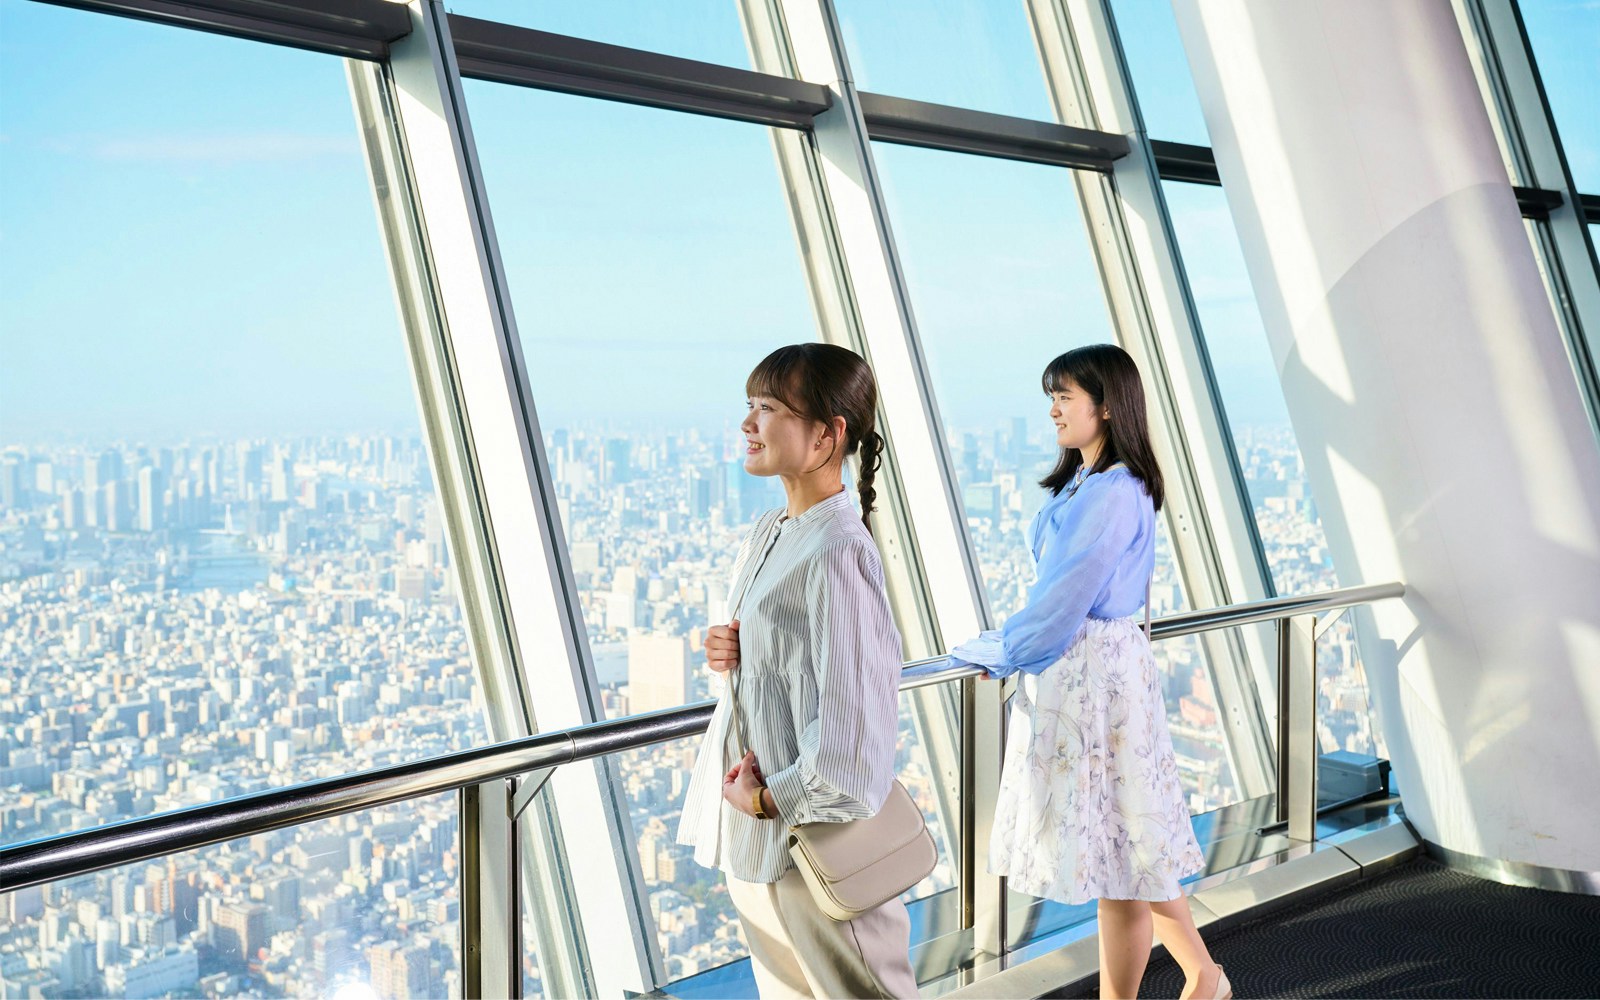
(870, 452)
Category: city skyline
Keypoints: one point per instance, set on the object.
(325, 635)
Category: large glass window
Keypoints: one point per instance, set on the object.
(652, 265)
(1160, 70)
(995, 253)
(1565, 35)
(1281, 500)
(707, 30)
(222, 560)
(971, 54)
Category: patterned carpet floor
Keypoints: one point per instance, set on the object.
(1421, 930)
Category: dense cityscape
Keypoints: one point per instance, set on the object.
(187, 623)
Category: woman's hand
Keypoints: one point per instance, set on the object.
(722, 647)
(740, 785)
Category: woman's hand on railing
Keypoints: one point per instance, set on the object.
(722, 647)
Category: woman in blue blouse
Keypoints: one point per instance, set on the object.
(1090, 806)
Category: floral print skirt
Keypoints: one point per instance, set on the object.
(1090, 806)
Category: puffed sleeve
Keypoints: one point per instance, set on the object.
(846, 759)
(1098, 527)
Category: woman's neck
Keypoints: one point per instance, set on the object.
(807, 490)
(1091, 453)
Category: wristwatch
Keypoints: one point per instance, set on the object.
(756, 806)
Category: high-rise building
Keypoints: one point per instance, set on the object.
(248, 458)
(152, 512)
(11, 489)
(73, 511)
(700, 493)
(618, 466)
(433, 534)
(114, 503)
(281, 478)
(240, 931)
(400, 971)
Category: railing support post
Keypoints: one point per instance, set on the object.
(1297, 726)
(491, 905)
(983, 896)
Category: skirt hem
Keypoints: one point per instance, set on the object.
(1096, 891)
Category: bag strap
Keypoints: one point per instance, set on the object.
(733, 615)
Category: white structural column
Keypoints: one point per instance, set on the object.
(1432, 397)
(615, 942)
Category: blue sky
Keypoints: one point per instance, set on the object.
(188, 241)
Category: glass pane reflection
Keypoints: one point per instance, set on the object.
(970, 54)
(1565, 36)
(1153, 49)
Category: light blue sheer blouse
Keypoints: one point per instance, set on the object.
(1094, 552)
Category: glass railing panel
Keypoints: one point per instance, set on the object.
(697, 928)
(365, 906)
(921, 717)
(1345, 718)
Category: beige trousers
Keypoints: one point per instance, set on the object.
(797, 951)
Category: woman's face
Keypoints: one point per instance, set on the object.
(779, 441)
(1080, 423)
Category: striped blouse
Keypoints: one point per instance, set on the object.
(818, 690)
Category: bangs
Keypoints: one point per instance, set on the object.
(779, 376)
(1068, 367)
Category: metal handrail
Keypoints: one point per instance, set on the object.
(48, 859)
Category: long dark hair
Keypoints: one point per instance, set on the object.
(820, 382)
(1111, 379)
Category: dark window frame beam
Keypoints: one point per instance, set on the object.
(1181, 161)
(962, 130)
(527, 57)
(359, 29)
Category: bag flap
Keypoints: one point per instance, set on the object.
(839, 850)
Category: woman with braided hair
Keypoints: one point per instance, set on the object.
(812, 660)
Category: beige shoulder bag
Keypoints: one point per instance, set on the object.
(857, 866)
